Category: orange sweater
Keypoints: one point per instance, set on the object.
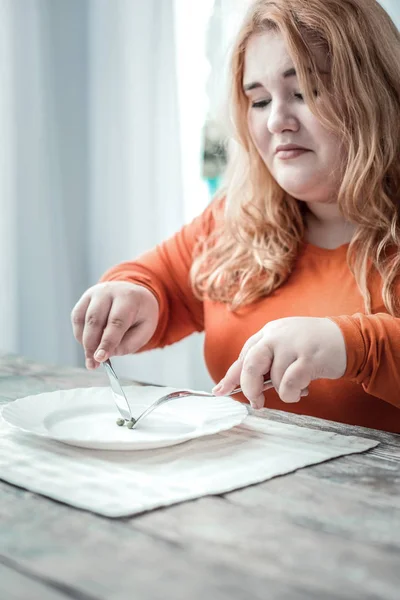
(321, 285)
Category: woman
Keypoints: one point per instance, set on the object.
(292, 272)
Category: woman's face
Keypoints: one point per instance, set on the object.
(301, 154)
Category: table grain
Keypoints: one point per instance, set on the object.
(326, 532)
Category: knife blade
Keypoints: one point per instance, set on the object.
(118, 393)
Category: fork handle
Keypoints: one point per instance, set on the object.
(174, 396)
(266, 386)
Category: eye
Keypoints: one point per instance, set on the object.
(260, 104)
(300, 96)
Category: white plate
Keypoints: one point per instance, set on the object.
(86, 417)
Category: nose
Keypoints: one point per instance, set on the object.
(281, 118)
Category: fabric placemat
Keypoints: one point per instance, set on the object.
(119, 484)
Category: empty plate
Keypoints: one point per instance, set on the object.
(86, 417)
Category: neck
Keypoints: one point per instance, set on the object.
(326, 227)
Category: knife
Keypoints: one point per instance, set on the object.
(118, 393)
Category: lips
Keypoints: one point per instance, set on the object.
(290, 151)
(288, 147)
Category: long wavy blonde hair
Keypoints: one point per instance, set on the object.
(258, 237)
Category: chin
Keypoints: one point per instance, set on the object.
(297, 191)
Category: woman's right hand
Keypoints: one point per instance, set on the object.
(114, 318)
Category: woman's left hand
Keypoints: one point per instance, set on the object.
(294, 351)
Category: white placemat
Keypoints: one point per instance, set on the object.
(118, 484)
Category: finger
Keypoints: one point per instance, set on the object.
(295, 381)
(78, 315)
(252, 341)
(231, 378)
(279, 366)
(256, 363)
(134, 339)
(95, 322)
(91, 364)
(120, 319)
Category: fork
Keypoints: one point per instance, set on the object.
(184, 394)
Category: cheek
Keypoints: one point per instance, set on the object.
(329, 146)
(331, 151)
(259, 134)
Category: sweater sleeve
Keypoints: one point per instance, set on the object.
(373, 353)
(164, 271)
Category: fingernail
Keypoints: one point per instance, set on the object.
(217, 388)
(100, 355)
(259, 403)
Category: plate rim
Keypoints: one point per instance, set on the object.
(241, 415)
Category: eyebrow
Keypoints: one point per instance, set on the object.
(255, 84)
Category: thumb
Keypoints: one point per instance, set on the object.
(295, 382)
(231, 379)
(232, 376)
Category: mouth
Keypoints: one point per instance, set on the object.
(288, 151)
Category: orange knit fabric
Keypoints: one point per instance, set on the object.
(321, 285)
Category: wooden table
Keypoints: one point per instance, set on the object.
(327, 532)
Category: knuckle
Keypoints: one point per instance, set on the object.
(101, 291)
(117, 322)
(129, 290)
(250, 369)
(92, 320)
(265, 341)
(116, 288)
(103, 285)
(272, 326)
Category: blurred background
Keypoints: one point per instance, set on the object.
(112, 137)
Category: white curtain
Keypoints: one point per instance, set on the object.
(140, 194)
(43, 175)
(90, 166)
(8, 275)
